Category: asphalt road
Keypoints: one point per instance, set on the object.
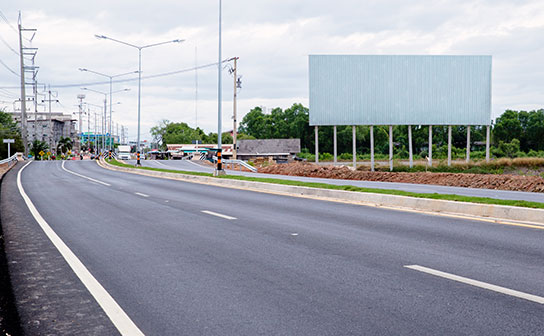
(417, 188)
(284, 265)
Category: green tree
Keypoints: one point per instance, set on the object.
(64, 145)
(176, 133)
(291, 123)
(9, 130)
(37, 146)
(535, 131)
(508, 127)
(257, 124)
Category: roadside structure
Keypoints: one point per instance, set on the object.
(48, 127)
(274, 149)
(400, 90)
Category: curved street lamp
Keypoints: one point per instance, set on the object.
(105, 108)
(102, 37)
(111, 77)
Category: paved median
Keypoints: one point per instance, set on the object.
(489, 212)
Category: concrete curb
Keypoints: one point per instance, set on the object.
(488, 211)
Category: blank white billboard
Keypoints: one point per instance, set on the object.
(400, 90)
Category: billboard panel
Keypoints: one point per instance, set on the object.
(400, 90)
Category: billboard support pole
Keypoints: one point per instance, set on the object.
(487, 131)
(316, 145)
(430, 145)
(410, 152)
(449, 145)
(354, 144)
(468, 143)
(371, 148)
(334, 144)
(390, 147)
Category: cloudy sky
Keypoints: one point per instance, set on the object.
(273, 40)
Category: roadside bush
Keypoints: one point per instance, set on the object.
(508, 149)
(346, 156)
(477, 155)
(325, 157)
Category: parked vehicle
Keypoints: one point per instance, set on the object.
(124, 152)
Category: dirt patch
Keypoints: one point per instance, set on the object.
(486, 181)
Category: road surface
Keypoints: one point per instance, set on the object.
(192, 259)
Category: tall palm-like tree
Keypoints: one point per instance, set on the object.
(64, 145)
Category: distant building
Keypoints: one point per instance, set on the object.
(277, 149)
(39, 127)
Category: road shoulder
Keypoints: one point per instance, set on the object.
(49, 297)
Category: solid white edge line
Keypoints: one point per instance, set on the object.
(140, 194)
(85, 177)
(476, 283)
(217, 214)
(118, 317)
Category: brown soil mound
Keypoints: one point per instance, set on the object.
(487, 181)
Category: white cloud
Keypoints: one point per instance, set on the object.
(272, 39)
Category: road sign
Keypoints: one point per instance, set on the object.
(48, 153)
(9, 141)
(41, 153)
(69, 152)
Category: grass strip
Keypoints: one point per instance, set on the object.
(448, 197)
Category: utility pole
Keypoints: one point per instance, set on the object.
(80, 97)
(95, 135)
(237, 85)
(89, 129)
(104, 126)
(24, 131)
(51, 142)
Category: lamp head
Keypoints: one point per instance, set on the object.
(83, 69)
(100, 36)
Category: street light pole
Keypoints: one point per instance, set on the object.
(111, 77)
(139, 95)
(104, 125)
(219, 168)
(139, 69)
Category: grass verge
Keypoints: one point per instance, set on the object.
(448, 197)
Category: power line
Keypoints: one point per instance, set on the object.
(136, 78)
(3, 17)
(126, 80)
(8, 94)
(9, 69)
(7, 45)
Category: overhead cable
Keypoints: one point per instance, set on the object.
(9, 69)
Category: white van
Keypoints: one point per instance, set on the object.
(124, 153)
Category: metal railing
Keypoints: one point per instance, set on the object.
(8, 160)
(241, 163)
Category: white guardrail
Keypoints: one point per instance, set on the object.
(241, 163)
(8, 160)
